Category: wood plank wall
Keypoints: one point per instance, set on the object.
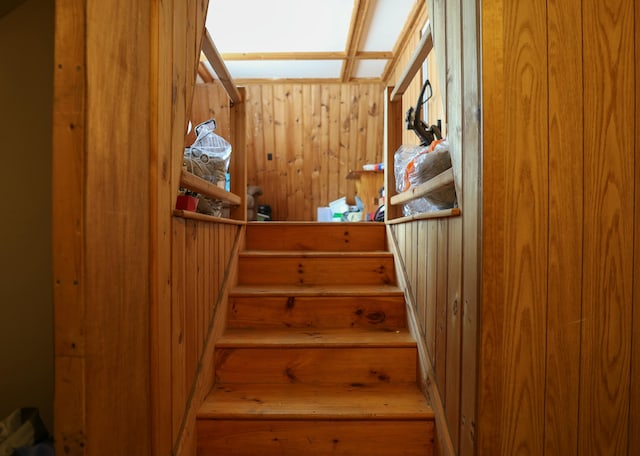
(440, 256)
(176, 36)
(559, 338)
(202, 264)
(316, 134)
(124, 76)
(210, 101)
(101, 227)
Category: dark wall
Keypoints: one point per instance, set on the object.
(26, 329)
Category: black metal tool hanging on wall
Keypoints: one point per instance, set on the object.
(426, 133)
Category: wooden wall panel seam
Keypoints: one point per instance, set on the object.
(68, 226)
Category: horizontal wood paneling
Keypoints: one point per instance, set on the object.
(316, 134)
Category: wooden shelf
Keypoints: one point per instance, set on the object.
(454, 212)
(206, 188)
(206, 218)
(436, 183)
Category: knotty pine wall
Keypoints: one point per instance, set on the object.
(124, 78)
(560, 333)
(316, 134)
(439, 257)
(203, 255)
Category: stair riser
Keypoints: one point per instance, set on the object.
(317, 237)
(366, 366)
(295, 438)
(317, 312)
(315, 271)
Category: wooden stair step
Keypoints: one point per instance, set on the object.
(316, 364)
(304, 402)
(316, 268)
(316, 290)
(291, 311)
(319, 337)
(316, 236)
(315, 437)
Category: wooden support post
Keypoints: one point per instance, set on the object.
(238, 165)
(393, 140)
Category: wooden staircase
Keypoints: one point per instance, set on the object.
(316, 358)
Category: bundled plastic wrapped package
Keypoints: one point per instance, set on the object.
(414, 165)
(208, 158)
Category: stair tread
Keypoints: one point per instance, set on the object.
(318, 337)
(315, 253)
(317, 290)
(299, 401)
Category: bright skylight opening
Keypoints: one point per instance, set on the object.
(279, 25)
(369, 68)
(277, 69)
(388, 19)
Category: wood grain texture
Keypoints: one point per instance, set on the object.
(470, 200)
(565, 227)
(490, 385)
(219, 247)
(442, 285)
(634, 412)
(608, 258)
(210, 101)
(315, 135)
(160, 231)
(68, 227)
(117, 219)
(525, 260)
(202, 253)
(324, 437)
(316, 236)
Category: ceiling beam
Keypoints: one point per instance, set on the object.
(358, 20)
(215, 59)
(416, 18)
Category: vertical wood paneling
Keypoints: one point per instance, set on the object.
(421, 285)
(565, 227)
(442, 286)
(210, 101)
(490, 388)
(200, 258)
(454, 329)
(448, 39)
(178, 306)
(525, 244)
(68, 207)
(586, 315)
(608, 227)
(634, 413)
(317, 133)
(471, 203)
(117, 227)
(430, 233)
